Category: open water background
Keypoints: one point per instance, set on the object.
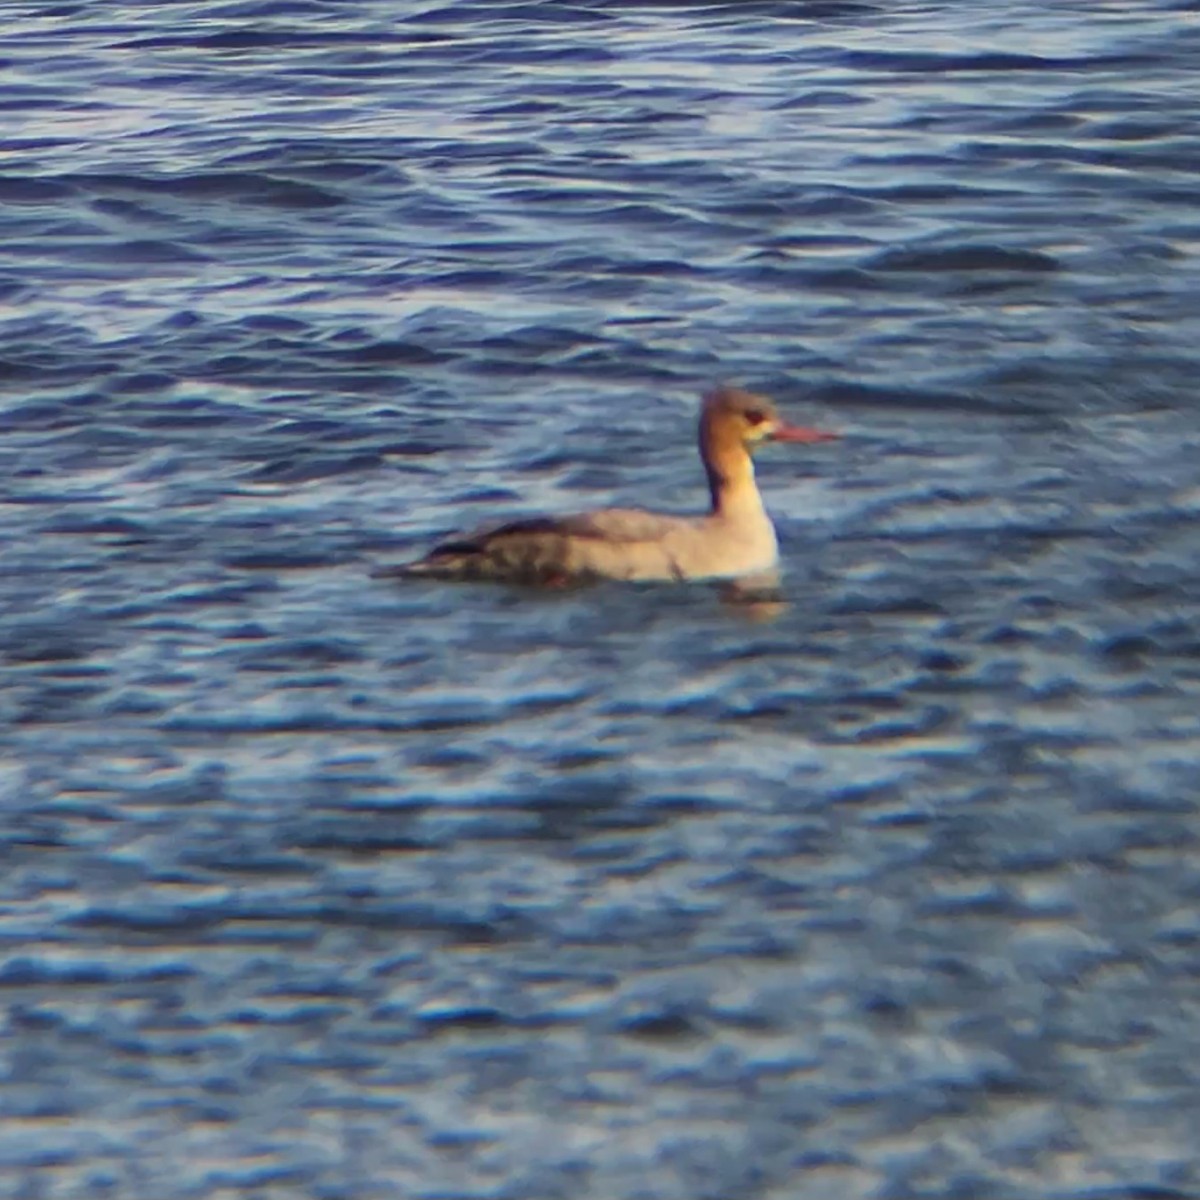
(316, 886)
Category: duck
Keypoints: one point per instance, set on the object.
(735, 539)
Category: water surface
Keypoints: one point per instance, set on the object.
(317, 886)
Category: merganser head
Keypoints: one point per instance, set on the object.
(753, 419)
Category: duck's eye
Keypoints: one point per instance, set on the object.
(755, 416)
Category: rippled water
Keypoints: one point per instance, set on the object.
(317, 886)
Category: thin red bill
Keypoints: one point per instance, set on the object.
(801, 433)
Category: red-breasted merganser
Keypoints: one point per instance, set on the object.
(734, 539)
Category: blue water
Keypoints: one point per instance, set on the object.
(318, 886)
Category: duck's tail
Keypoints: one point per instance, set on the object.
(433, 566)
(498, 562)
